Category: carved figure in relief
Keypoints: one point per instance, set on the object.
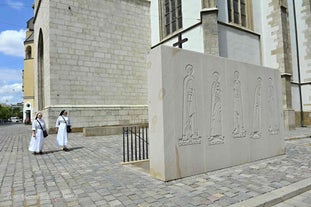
(238, 123)
(273, 112)
(189, 123)
(216, 117)
(256, 133)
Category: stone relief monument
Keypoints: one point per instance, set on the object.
(216, 116)
(256, 133)
(238, 122)
(272, 104)
(208, 113)
(190, 130)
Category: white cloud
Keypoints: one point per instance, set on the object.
(11, 94)
(10, 86)
(8, 76)
(10, 89)
(12, 42)
(15, 4)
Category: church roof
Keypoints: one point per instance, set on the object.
(30, 38)
(30, 25)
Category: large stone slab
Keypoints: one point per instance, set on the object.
(208, 113)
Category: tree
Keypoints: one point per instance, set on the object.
(5, 112)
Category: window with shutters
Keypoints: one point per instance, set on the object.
(240, 13)
(171, 16)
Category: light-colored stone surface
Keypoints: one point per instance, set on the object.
(91, 174)
(277, 196)
(94, 60)
(219, 128)
(89, 116)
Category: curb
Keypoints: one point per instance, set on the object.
(277, 196)
(297, 137)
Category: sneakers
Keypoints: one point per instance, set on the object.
(65, 149)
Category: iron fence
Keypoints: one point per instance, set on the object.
(135, 143)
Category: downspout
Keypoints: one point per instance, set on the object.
(298, 66)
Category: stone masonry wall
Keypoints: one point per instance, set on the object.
(41, 24)
(95, 60)
(98, 52)
(282, 52)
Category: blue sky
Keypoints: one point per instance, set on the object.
(13, 17)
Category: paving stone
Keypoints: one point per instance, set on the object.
(91, 175)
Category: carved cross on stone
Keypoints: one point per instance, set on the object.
(180, 41)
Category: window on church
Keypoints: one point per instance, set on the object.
(28, 53)
(171, 16)
(239, 12)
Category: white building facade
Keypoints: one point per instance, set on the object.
(256, 32)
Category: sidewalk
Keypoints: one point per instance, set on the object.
(91, 174)
(298, 133)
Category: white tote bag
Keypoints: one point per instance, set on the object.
(32, 144)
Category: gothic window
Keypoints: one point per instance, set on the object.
(28, 53)
(239, 12)
(171, 16)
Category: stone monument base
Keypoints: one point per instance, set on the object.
(208, 113)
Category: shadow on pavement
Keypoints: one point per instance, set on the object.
(59, 150)
(74, 148)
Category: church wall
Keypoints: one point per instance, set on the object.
(267, 23)
(303, 16)
(28, 75)
(258, 14)
(303, 23)
(294, 45)
(96, 58)
(239, 45)
(88, 116)
(28, 86)
(99, 55)
(222, 11)
(191, 12)
(268, 35)
(195, 39)
(41, 23)
(155, 22)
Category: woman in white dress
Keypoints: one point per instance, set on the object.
(61, 130)
(37, 139)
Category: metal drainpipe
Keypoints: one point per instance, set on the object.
(298, 66)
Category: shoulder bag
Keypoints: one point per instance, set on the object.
(45, 133)
(67, 126)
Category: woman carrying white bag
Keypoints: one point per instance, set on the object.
(37, 138)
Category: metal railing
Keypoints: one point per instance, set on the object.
(135, 143)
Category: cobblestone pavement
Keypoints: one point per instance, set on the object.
(91, 174)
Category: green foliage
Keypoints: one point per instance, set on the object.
(5, 112)
(8, 111)
(17, 113)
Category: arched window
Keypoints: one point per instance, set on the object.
(28, 52)
(41, 98)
